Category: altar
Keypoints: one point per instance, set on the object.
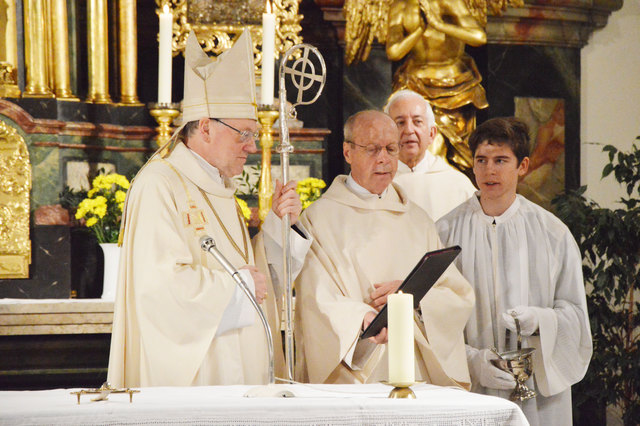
(313, 404)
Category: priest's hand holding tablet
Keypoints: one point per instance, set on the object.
(380, 338)
(380, 293)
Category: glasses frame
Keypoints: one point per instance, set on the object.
(378, 149)
(245, 135)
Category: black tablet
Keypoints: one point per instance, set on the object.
(423, 276)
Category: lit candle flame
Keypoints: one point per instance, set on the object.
(268, 7)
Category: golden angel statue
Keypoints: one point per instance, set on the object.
(430, 36)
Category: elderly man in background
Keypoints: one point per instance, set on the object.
(179, 318)
(367, 237)
(428, 180)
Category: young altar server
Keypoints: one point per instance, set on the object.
(521, 260)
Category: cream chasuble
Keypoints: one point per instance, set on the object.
(434, 185)
(526, 256)
(359, 242)
(171, 295)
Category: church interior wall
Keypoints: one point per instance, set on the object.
(598, 82)
(610, 93)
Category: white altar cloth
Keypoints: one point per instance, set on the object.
(313, 404)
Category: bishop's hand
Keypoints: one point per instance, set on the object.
(259, 281)
(286, 201)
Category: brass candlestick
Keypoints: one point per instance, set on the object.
(266, 117)
(401, 390)
(164, 115)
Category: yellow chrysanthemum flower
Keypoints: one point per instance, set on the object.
(99, 182)
(120, 196)
(100, 206)
(309, 190)
(122, 181)
(103, 207)
(84, 207)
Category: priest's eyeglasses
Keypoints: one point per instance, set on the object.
(393, 149)
(245, 135)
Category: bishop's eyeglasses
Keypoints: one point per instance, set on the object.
(245, 135)
(393, 149)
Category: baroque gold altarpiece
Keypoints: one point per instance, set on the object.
(15, 184)
(218, 24)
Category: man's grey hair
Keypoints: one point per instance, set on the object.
(407, 94)
(190, 128)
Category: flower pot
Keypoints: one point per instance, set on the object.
(110, 279)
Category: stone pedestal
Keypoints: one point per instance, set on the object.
(48, 344)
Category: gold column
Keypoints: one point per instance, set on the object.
(128, 52)
(35, 50)
(8, 50)
(48, 44)
(60, 41)
(98, 52)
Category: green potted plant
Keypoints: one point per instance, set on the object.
(609, 240)
(101, 212)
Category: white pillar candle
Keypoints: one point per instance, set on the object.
(268, 54)
(165, 56)
(400, 346)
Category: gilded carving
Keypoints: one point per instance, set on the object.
(8, 50)
(8, 81)
(15, 186)
(7, 73)
(217, 24)
(228, 12)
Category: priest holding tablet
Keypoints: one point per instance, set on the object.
(368, 237)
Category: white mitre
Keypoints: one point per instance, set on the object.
(222, 87)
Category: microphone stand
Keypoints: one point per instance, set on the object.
(208, 244)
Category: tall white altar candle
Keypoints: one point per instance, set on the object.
(268, 54)
(165, 56)
(400, 346)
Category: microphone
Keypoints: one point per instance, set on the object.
(209, 245)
